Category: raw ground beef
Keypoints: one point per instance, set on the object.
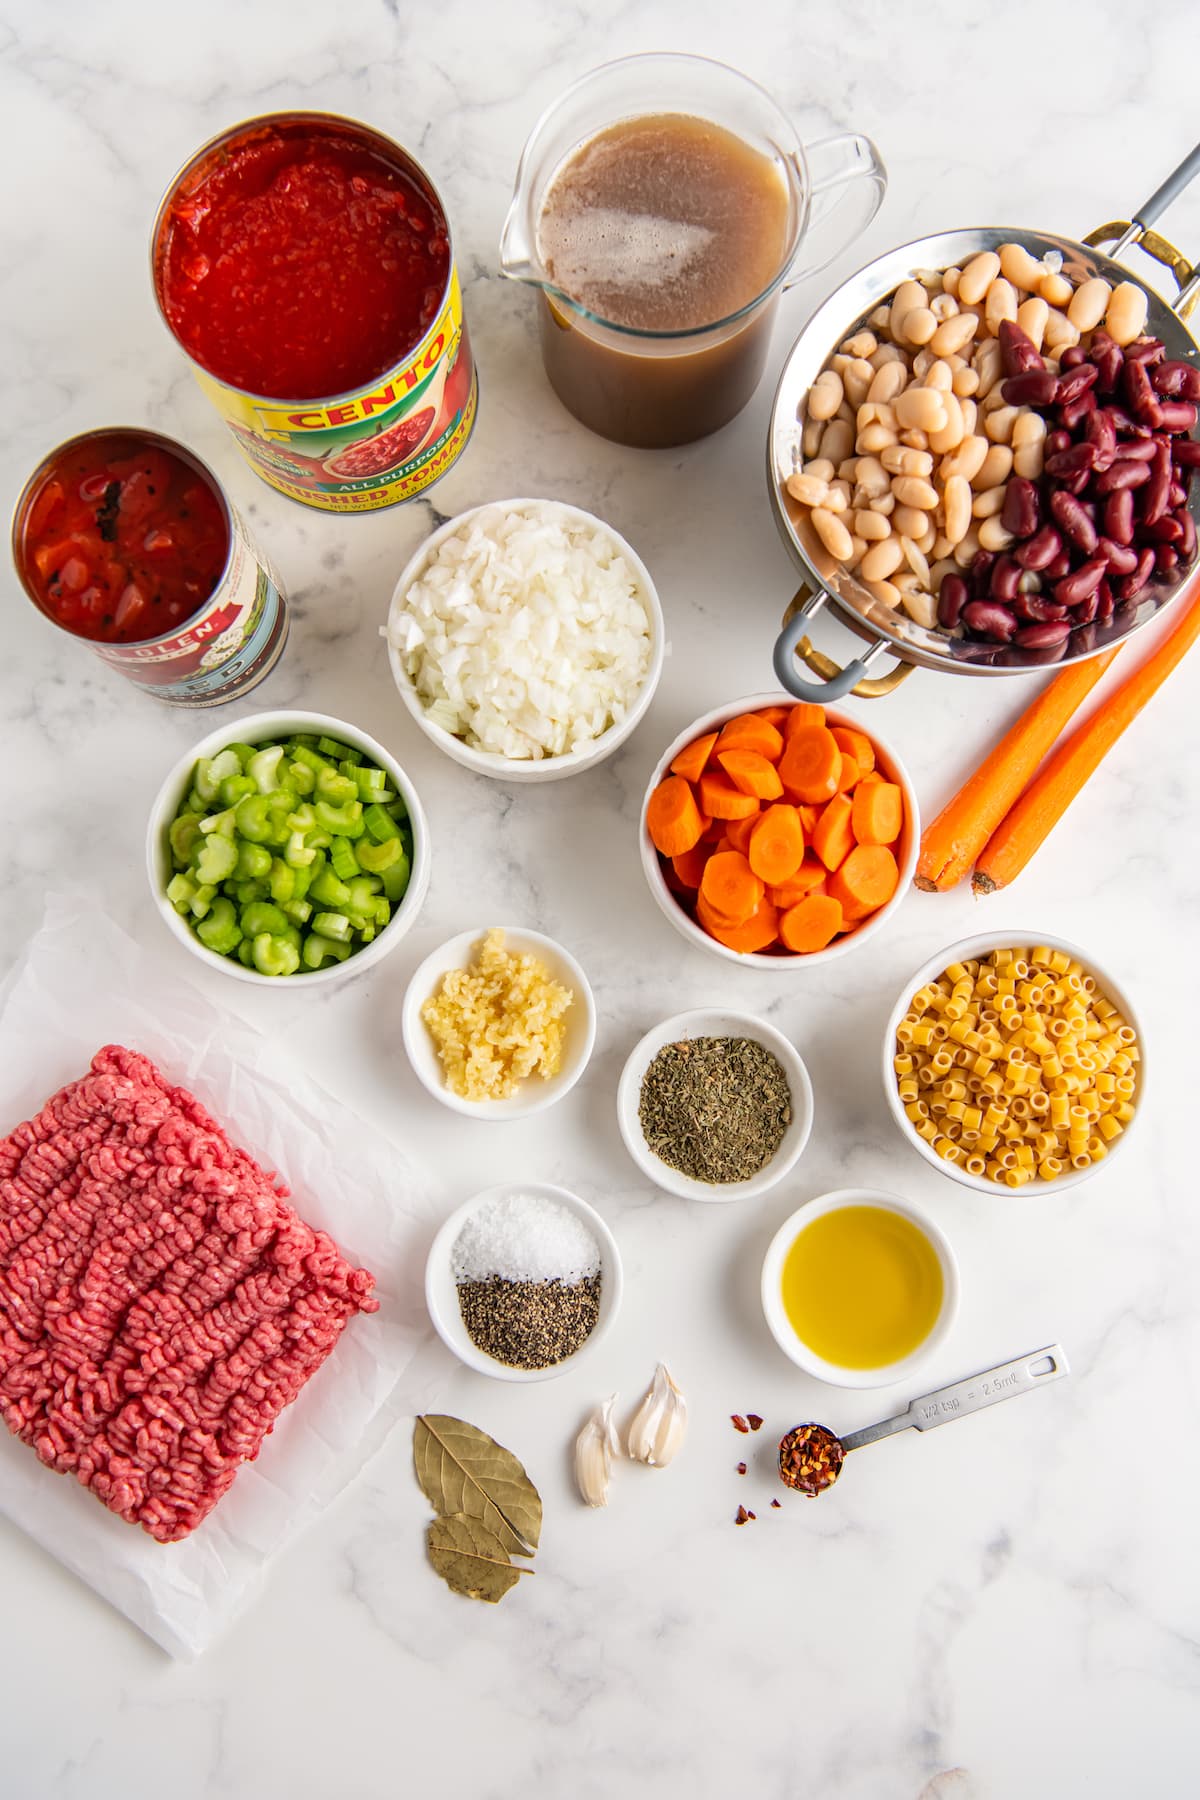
(160, 1303)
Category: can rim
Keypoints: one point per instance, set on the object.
(144, 436)
(301, 115)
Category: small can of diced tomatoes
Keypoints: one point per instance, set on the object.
(303, 262)
(127, 540)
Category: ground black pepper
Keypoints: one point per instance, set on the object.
(529, 1324)
(715, 1108)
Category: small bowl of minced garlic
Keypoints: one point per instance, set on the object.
(522, 1280)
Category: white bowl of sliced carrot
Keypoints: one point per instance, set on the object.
(779, 834)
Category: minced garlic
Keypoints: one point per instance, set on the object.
(497, 1022)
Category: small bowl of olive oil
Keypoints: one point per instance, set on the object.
(858, 1287)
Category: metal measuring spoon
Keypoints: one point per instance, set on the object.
(811, 1456)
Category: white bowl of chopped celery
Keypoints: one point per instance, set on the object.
(289, 844)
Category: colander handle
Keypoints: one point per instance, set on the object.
(1123, 235)
(792, 644)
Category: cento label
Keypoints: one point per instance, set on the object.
(380, 445)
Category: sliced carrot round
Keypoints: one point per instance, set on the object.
(878, 813)
(865, 881)
(758, 932)
(833, 839)
(693, 758)
(673, 819)
(811, 925)
(750, 731)
(751, 773)
(776, 845)
(729, 887)
(721, 800)
(810, 765)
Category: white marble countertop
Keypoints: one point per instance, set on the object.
(1005, 1611)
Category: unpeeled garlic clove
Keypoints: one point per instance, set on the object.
(595, 1448)
(660, 1423)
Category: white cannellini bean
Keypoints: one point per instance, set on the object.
(825, 395)
(921, 323)
(862, 344)
(939, 375)
(807, 489)
(1031, 317)
(998, 424)
(884, 592)
(821, 467)
(1060, 331)
(1127, 311)
(967, 460)
(1019, 267)
(950, 279)
(942, 307)
(1088, 304)
(912, 490)
(921, 606)
(993, 536)
(858, 549)
(1001, 304)
(908, 521)
(885, 505)
(951, 434)
(1055, 289)
(914, 440)
(890, 380)
(871, 525)
(915, 558)
(995, 468)
(872, 476)
(954, 335)
(882, 559)
(1030, 428)
(874, 439)
(856, 379)
(900, 460)
(956, 501)
(920, 409)
(977, 276)
(909, 295)
(988, 503)
(965, 381)
(966, 551)
(832, 533)
(838, 441)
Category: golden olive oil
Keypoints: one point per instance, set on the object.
(862, 1286)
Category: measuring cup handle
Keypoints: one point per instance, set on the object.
(846, 173)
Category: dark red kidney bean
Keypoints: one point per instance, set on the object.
(1042, 637)
(1177, 496)
(1137, 450)
(1006, 579)
(1178, 380)
(1072, 356)
(1078, 483)
(1143, 402)
(990, 619)
(1178, 415)
(1121, 558)
(1145, 350)
(1018, 354)
(1075, 460)
(1032, 387)
(1168, 559)
(1153, 500)
(1076, 411)
(1057, 440)
(1109, 360)
(1126, 586)
(1060, 566)
(1184, 451)
(1101, 434)
(1041, 549)
(1080, 582)
(952, 597)
(1187, 543)
(980, 573)
(1022, 510)
(1123, 474)
(1126, 424)
(1072, 515)
(1166, 530)
(1075, 382)
(1085, 612)
(1036, 609)
(1105, 603)
(1118, 516)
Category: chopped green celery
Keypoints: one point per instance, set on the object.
(363, 890)
(182, 835)
(263, 768)
(234, 788)
(303, 818)
(375, 858)
(328, 890)
(371, 783)
(180, 890)
(217, 859)
(254, 860)
(301, 778)
(308, 738)
(193, 803)
(302, 874)
(319, 840)
(342, 821)
(282, 803)
(342, 859)
(243, 752)
(367, 933)
(201, 900)
(212, 770)
(338, 751)
(248, 891)
(261, 916)
(303, 754)
(298, 911)
(245, 952)
(289, 935)
(275, 955)
(383, 910)
(223, 823)
(283, 881)
(253, 819)
(333, 925)
(396, 879)
(297, 854)
(396, 806)
(338, 790)
(380, 824)
(322, 949)
(220, 930)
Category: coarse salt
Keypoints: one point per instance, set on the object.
(520, 1237)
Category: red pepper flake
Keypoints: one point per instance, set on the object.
(775, 1503)
(810, 1459)
(740, 1516)
(750, 1515)
(754, 1421)
(739, 1424)
(741, 1468)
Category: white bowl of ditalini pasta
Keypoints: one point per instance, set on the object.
(1015, 1063)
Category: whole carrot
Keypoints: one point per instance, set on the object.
(950, 845)
(1047, 797)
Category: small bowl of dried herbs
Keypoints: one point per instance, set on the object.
(715, 1105)
(522, 1279)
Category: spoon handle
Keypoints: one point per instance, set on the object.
(988, 1388)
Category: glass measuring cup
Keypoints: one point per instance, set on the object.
(657, 388)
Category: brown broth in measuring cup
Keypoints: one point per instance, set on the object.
(664, 223)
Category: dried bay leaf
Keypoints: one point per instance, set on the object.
(471, 1559)
(465, 1472)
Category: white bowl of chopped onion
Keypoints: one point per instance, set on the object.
(526, 639)
(489, 1034)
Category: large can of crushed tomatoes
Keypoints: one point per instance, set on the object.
(303, 262)
(125, 539)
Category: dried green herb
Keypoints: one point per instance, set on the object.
(470, 1559)
(715, 1108)
(463, 1472)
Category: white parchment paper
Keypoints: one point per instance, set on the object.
(82, 984)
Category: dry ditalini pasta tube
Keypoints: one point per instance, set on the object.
(1016, 1067)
